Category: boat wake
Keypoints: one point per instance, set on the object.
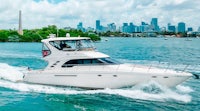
(10, 77)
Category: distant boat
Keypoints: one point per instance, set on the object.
(166, 38)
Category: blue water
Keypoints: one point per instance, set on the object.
(174, 53)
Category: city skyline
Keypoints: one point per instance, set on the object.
(63, 13)
(153, 26)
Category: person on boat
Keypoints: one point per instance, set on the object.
(64, 45)
(78, 44)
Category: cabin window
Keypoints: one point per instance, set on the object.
(100, 61)
(109, 60)
(45, 50)
(82, 62)
(56, 44)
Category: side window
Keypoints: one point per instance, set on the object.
(67, 45)
(87, 61)
(55, 44)
(45, 50)
(96, 61)
(109, 61)
(72, 63)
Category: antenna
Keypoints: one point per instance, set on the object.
(39, 35)
(57, 32)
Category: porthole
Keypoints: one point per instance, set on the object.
(114, 75)
(154, 76)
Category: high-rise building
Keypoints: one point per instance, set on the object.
(181, 27)
(131, 28)
(143, 23)
(154, 24)
(137, 29)
(144, 27)
(80, 27)
(171, 28)
(190, 29)
(112, 27)
(125, 27)
(20, 30)
(98, 25)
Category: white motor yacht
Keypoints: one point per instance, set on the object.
(74, 62)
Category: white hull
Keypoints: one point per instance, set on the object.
(108, 78)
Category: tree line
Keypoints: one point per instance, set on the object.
(36, 35)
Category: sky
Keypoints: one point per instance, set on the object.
(68, 13)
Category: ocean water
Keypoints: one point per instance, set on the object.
(174, 53)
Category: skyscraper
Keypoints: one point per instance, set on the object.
(125, 27)
(98, 25)
(112, 27)
(171, 28)
(20, 31)
(190, 29)
(131, 28)
(80, 27)
(181, 27)
(144, 27)
(154, 24)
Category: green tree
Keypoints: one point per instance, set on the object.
(3, 36)
(36, 35)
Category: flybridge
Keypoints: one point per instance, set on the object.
(54, 44)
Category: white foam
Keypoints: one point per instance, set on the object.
(184, 89)
(134, 93)
(12, 74)
(165, 94)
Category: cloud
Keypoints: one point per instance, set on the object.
(40, 13)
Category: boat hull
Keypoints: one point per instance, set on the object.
(103, 79)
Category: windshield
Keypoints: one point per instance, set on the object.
(72, 44)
